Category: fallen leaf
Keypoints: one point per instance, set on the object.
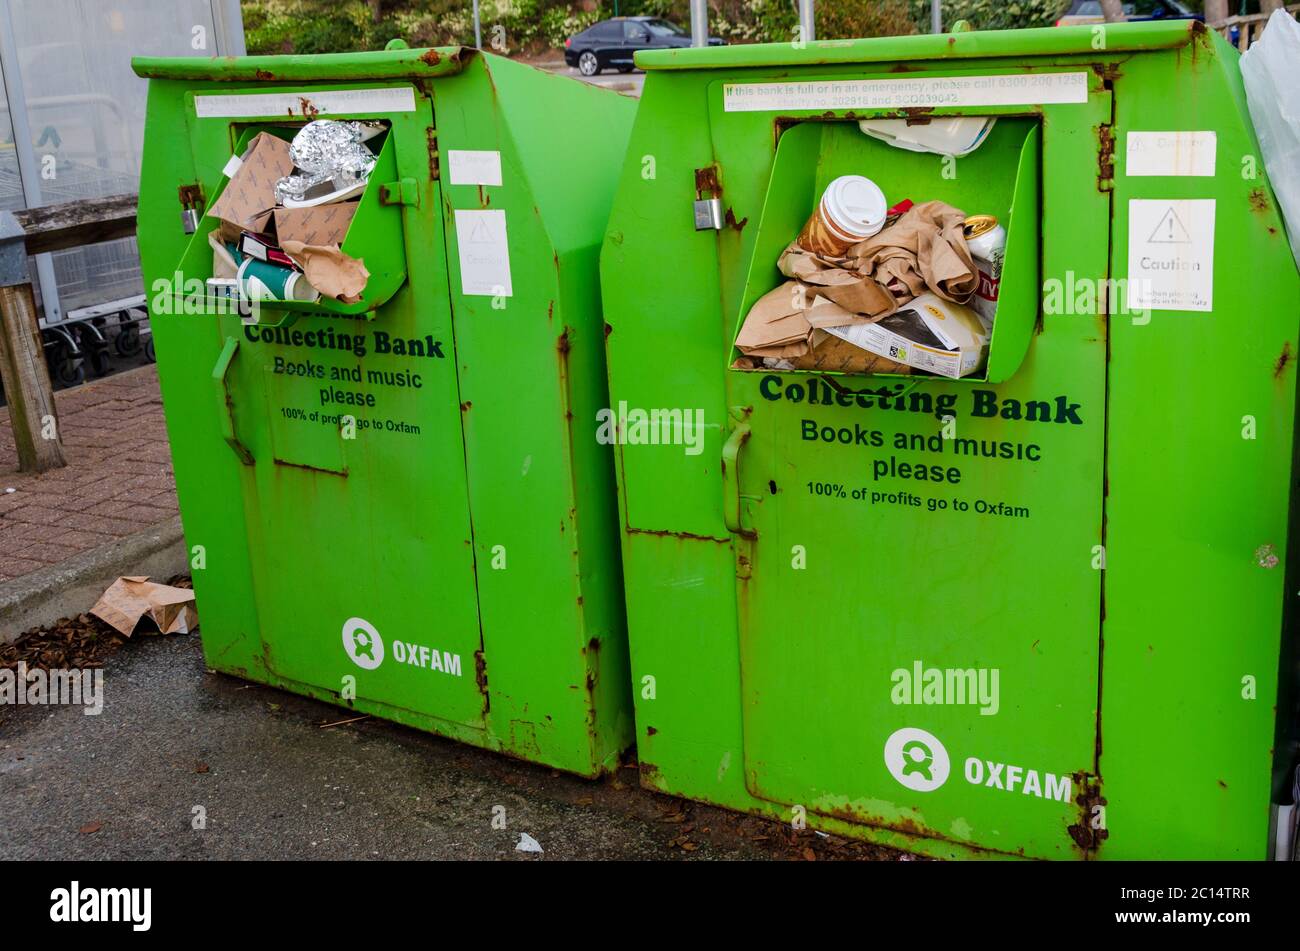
(810, 855)
(91, 828)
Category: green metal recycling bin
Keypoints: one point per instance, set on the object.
(387, 501)
(1040, 610)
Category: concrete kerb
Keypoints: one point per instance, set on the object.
(72, 587)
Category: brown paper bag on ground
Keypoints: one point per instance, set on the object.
(130, 598)
(329, 270)
(250, 193)
(931, 233)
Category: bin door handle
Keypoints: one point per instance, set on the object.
(731, 476)
(225, 406)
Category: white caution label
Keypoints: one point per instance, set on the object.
(484, 253)
(1171, 254)
(468, 167)
(1016, 89)
(1170, 153)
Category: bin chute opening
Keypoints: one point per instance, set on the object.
(930, 293)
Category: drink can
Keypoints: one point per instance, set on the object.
(987, 242)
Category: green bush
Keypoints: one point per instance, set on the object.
(992, 14)
(842, 19)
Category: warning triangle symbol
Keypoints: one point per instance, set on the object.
(480, 233)
(1169, 230)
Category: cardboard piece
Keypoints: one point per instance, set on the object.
(318, 225)
(131, 598)
(832, 354)
(245, 203)
(329, 270)
(929, 334)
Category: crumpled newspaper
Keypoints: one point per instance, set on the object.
(326, 151)
(131, 598)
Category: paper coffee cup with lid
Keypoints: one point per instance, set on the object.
(852, 209)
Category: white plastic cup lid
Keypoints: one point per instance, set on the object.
(856, 205)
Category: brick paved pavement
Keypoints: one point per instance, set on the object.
(118, 480)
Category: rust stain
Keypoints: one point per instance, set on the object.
(1259, 202)
(916, 115)
(483, 198)
(1200, 35)
(1283, 360)
(1105, 158)
(430, 57)
(650, 731)
(1109, 72)
(307, 468)
(191, 196)
(731, 222)
(431, 138)
(608, 330)
(306, 108)
(680, 536)
(706, 180)
(480, 678)
(1089, 798)
(903, 824)
(465, 406)
(263, 74)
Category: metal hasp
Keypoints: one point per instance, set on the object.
(401, 502)
(1043, 611)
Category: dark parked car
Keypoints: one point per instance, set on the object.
(611, 43)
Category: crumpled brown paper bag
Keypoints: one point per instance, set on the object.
(130, 598)
(923, 251)
(854, 291)
(924, 248)
(777, 325)
(329, 270)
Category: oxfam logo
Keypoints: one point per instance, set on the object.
(916, 759)
(363, 643)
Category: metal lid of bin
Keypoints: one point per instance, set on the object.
(1046, 41)
(430, 63)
